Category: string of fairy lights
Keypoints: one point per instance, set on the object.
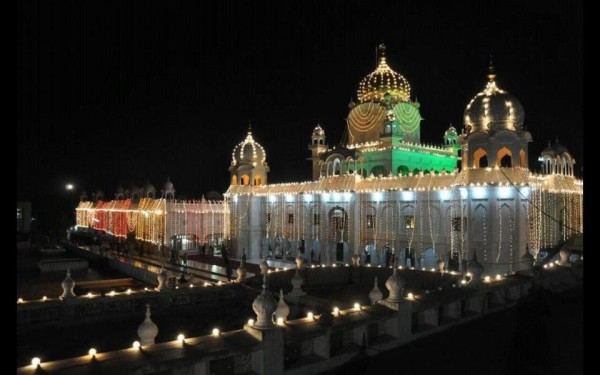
(154, 220)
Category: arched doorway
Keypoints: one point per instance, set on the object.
(480, 159)
(504, 158)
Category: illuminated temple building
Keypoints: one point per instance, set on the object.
(384, 192)
(381, 194)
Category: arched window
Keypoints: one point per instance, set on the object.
(378, 170)
(480, 158)
(321, 141)
(403, 170)
(257, 180)
(336, 167)
(245, 179)
(504, 158)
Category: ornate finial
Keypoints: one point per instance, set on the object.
(148, 330)
(492, 70)
(382, 50)
(67, 286)
(249, 127)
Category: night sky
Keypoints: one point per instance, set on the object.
(115, 92)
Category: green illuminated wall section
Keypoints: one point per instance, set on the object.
(404, 161)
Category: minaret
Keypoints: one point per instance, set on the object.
(317, 146)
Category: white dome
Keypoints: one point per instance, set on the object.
(493, 109)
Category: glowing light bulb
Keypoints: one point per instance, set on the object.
(410, 296)
(44, 298)
(336, 311)
(357, 306)
(280, 321)
(36, 361)
(310, 315)
(180, 337)
(92, 352)
(250, 322)
(136, 345)
(215, 332)
(20, 300)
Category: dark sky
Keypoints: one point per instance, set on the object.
(114, 92)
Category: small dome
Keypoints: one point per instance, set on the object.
(555, 149)
(493, 109)
(248, 152)
(150, 188)
(168, 184)
(318, 131)
(451, 132)
(383, 80)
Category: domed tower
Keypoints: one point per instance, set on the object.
(451, 141)
(168, 192)
(385, 112)
(150, 190)
(120, 194)
(556, 159)
(248, 163)
(450, 136)
(317, 146)
(135, 193)
(494, 134)
(83, 197)
(98, 195)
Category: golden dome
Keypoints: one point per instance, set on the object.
(383, 80)
(248, 152)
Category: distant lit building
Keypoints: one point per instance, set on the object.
(139, 213)
(386, 191)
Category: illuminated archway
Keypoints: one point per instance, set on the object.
(257, 180)
(504, 158)
(403, 170)
(378, 170)
(245, 179)
(480, 158)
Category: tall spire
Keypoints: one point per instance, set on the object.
(491, 69)
(381, 50)
(249, 127)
